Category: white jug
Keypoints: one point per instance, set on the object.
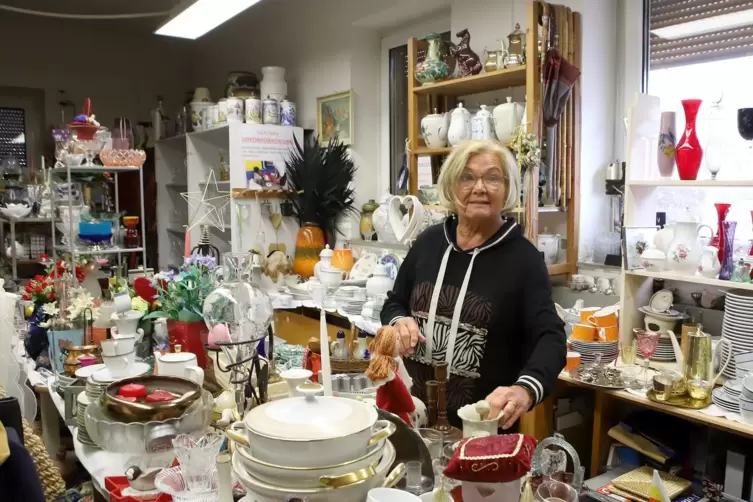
(684, 250)
(178, 364)
(709, 265)
(434, 130)
(459, 126)
(482, 126)
(507, 117)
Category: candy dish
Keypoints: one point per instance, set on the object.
(186, 392)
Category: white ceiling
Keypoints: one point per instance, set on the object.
(94, 6)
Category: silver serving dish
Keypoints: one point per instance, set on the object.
(146, 437)
(605, 377)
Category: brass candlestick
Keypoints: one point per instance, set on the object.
(431, 402)
(442, 425)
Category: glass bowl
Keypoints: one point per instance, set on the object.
(171, 481)
(110, 434)
(122, 158)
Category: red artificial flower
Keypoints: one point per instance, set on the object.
(28, 288)
(26, 297)
(52, 297)
(37, 289)
(38, 278)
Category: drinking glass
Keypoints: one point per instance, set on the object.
(197, 457)
(648, 341)
(745, 124)
(628, 351)
(555, 491)
(433, 441)
(413, 475)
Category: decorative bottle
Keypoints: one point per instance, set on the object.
(689, 153)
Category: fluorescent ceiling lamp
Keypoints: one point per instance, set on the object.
(197, 17)
(706, 25)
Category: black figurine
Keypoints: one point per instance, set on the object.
(468, 61)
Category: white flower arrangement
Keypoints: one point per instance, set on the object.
(74, 315)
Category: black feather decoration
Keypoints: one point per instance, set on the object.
(320, 182)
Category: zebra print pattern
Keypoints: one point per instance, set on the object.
(471, 336)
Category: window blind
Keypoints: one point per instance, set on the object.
(723, 44)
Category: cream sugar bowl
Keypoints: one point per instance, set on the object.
(178, 364)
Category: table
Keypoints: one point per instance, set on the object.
(98, 463)
(604, 418)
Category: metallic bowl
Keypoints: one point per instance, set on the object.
(186, 392)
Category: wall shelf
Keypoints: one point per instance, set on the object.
(692, 279)
(483, 82)
(690, 183)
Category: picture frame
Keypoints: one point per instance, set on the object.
(636, 240)
(334, 117)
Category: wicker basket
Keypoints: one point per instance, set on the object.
(349, 365)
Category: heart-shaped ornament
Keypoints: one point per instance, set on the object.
(404, 228)
(144, 289)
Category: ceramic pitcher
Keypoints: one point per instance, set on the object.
(709, 265)
(684, 251)
(459, 126)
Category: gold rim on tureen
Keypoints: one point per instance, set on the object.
(248, 456)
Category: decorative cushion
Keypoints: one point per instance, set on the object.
(492, 459)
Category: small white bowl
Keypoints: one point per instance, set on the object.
(653, 260)
(743, 370)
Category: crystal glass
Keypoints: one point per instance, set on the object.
(433, 441)
(715, 149)
(238, 310)
(648, 341)
(91, 149)
(172, 481)
(62, 138)
(197, 456)
(34, 194)
(628, 351)
(555, 491)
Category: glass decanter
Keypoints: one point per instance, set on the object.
(237, 311)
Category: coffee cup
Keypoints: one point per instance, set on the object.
(604, 317)
(120, 365)
(584, 332)
(608, 334)
(117, 347)
(587, 312)
(573, 361)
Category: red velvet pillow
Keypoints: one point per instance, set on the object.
(492, 459)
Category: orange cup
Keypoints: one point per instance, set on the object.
(573, 361)
(608, 334)
(604, 318)
(587, 312)
(584, 332)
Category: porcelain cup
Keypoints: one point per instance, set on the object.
(117, 347)
(119, 366)
(584, 332)
(179, 364)
(587, 312)
(331, 277)
(127, 322)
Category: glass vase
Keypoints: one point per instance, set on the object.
(722, 209)
(689, 152)
(728, 236)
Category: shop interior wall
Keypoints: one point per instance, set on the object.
(121, 65)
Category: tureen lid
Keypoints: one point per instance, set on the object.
(310, 417)
(326, 252)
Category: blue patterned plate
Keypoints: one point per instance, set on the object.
(391, 264)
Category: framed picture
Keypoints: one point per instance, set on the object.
(637, 240)
(334, 118)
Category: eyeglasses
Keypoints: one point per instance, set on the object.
(490, 181)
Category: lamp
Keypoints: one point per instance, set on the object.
(705, 25)
(194, 18)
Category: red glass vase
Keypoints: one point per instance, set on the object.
(689, 153)
(191, 336)
(721, 215)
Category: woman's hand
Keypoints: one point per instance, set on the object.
(408, 335)
(514, 401)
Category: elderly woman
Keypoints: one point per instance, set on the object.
(474, 292)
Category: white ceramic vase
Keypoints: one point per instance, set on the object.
(381, 221)
(273, 83)
(482, 124)
(434, 130)
(507, 117)
(709, 265)
(378, 283)
(459, 126)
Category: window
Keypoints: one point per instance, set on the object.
(13, 134)
(702, 49)
(394, 92)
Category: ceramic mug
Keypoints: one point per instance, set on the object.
(120, 365)
(119, 347)
(573, 360)
(603, 318)
(181, 365)
(332, 277)
(584, 332)
(587, 312)
(608, 334)
(122, 302)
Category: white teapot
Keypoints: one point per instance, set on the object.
(378, 283)
(325, 261)
(178, 364)
(482, 125)
(434, 129)
(460, 125)
(709, 265)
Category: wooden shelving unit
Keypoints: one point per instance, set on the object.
(422, 99)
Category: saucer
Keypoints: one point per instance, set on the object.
(87, 371)
(104, 376)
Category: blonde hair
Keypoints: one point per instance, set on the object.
(456, 162)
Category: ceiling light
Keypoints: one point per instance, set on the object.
(197, 17)
(706, 25)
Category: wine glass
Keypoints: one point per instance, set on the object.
(648, 341)
(745, 124)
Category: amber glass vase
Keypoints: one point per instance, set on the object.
(308, 244)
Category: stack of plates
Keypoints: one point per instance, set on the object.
(664, 351)
(725, 401)
(733, 388)
(94, 390)
(738, 317)
(589, 350)
(352, 307)
(83, 436)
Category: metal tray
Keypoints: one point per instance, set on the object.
(600, 382)
(681, 401)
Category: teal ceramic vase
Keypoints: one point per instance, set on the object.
(432, 69)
